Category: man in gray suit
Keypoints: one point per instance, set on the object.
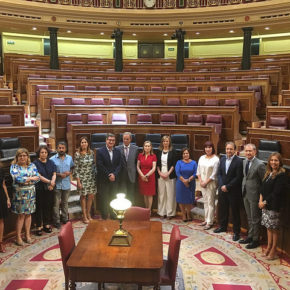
(129, 159)
(254, 171)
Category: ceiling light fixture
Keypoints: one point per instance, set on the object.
(34, 28)
(102, 33)
(197, 33)
(134, 34)
(68, 31)
(231, 31)
(267, 28)
(165, 34)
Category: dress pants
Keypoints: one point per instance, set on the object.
(166, 197)
(44, 206)
(209, 204)
(227, 200)
(108, 192)
(128, 187)
(254, 217)
(60, 201)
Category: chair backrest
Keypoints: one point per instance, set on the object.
(8, 147)
(173, 102)
(126, 78)
(192, 89)
(154, 138)
(140, 79)
(112, 78)
(104, 88)
(168, 119)
(278, 122)
(69, 88)
(139, 89)
(215, 89)
(66, 242)
(213, 78)
(144, 119)
(155, 78)
(136, 213)
(154, 102)
(171, 89)
(267, 147)
(119, 118)
(90, 88)
(74, 118)
(41, 87)
(78, 101)
(97, 101)
(134, 102)
(216, 121)
(57, 101)
(5, 121)
(193, 102)
(233, 89)
(156, 89)
(199, 78)
(124, 88)
(230, 77)
(211, 102)
(194, 119)
(50, 76)
(232, 102)
(179, 141)
(116, 101)
(34, 76)
(173, 253)
(187, 70)
(66, 77)
(95, 119)
(98, 140)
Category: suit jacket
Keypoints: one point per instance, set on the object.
(233, 178)
(252, 182)
(106, 166)
(129, 166)
(171, 161)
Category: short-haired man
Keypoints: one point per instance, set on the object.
(109, 166)
(230, 175)
(129, 153)
(64, 164)
(254, 171)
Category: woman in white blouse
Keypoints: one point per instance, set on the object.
(207, 176)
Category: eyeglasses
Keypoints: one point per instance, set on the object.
(23, 155)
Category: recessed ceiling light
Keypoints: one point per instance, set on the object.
(102, 33)
(267, 28)
(197, 33)
(34, 28)
(231, 31)
(134, 34)
(68, 31)
(165, 34)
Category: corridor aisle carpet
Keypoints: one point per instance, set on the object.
(206, 261)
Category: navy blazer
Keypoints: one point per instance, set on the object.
(233, 179)
(106, 166)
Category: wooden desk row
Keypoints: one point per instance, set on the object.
(230, 116)
(198, 135)
(284, 98)
(277, 111)
(1, 82)
(6, 96)
(16, 113)
(274, 75)
(254, 135)
(247, 100)
(31, 99)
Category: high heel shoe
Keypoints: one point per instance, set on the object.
(2, 248)
(19, 243)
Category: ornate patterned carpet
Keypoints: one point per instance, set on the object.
(206, 261)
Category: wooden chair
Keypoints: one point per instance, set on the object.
(136, 213)
(66, 244)
(168, 271)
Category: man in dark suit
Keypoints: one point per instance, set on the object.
(254, 171)
(109, 166)
(230, 175)
(129, 166)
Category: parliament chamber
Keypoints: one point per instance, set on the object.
(208, 70)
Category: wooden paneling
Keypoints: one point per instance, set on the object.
(1, 82)
(16, 113)
(6, 97)
(284, 98)
(197, 135)
(230, 126)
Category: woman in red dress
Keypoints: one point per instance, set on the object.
(146, 166)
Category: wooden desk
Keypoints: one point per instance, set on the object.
(94, 261)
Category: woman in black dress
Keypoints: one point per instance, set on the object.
(44, 190)
(273, 186)
(4, 205)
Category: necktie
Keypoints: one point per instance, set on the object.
(126, 152)
(247, 167)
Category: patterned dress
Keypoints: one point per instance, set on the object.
(85, 170)
(23, 195)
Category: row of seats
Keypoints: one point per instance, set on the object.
(165, 119)
(5, 121)
(278, 122)
(257, 89)
(153, 78)
(137, 102)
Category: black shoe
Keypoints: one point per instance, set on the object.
(219, 230)
(236, 237)
(246, 241)
(252, 245)
(64, 222)
(47, 230)
(57, 225)
(38, 232)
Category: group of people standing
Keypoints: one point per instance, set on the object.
(44, 186)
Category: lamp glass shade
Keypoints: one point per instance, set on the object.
(120, 203)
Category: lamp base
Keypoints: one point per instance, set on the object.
(121, 238)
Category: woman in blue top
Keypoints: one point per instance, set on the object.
(185, 170)
(24, 175)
